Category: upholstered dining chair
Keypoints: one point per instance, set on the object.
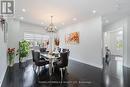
(65, 50)
(39, 62)
(33, 55)
(33, 59)
(62, 63)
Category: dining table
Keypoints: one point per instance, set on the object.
(51, 59)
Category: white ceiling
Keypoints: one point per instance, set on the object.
(64, 11)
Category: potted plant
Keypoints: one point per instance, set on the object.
(11, 56)
(23, 51)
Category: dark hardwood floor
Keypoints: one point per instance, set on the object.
(77, 75)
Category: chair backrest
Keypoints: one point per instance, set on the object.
(64, 58)
(33, 55)
(42, 50)
(65, 50)
(36, 56)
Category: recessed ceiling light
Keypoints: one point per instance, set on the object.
(94, 11)
(21, 18)
(24, 10)
(106, 21)
(74, 19)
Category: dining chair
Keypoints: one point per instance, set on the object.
(33, 55)
(39, 62)
(33, 59)
(62, 63)
(42, 50)
(65, 50)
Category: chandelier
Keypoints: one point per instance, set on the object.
(51, 27)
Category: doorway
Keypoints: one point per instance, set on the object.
(113, 72)
(114, 41)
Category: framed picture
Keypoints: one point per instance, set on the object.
(72, 38)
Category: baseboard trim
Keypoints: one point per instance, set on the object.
(86, 63)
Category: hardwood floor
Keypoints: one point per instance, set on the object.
(77, 75)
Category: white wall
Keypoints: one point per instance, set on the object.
(89, 50)
(128, 43)
(3, 56)
(15, 34)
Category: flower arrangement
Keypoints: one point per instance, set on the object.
(11, 55)
(57, 41)
(47, 42)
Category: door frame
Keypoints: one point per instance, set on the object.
(113, 30)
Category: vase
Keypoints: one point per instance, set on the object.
(11, 60)
(21, 60)
(21, 63)
(57, 49)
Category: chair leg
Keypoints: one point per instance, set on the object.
(38, 70)
(34, 67)
(53, 69)
(61, 70)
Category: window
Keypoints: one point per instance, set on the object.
(36, 39)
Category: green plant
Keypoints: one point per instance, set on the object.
(23, 51)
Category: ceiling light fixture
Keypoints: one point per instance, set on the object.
(74, 19)
(51, 27)
(94, 11)
(106, 21)
(24, 10)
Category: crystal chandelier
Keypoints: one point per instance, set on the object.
(51, 27)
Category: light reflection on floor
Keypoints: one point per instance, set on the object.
(113, 73)
(28, 76)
